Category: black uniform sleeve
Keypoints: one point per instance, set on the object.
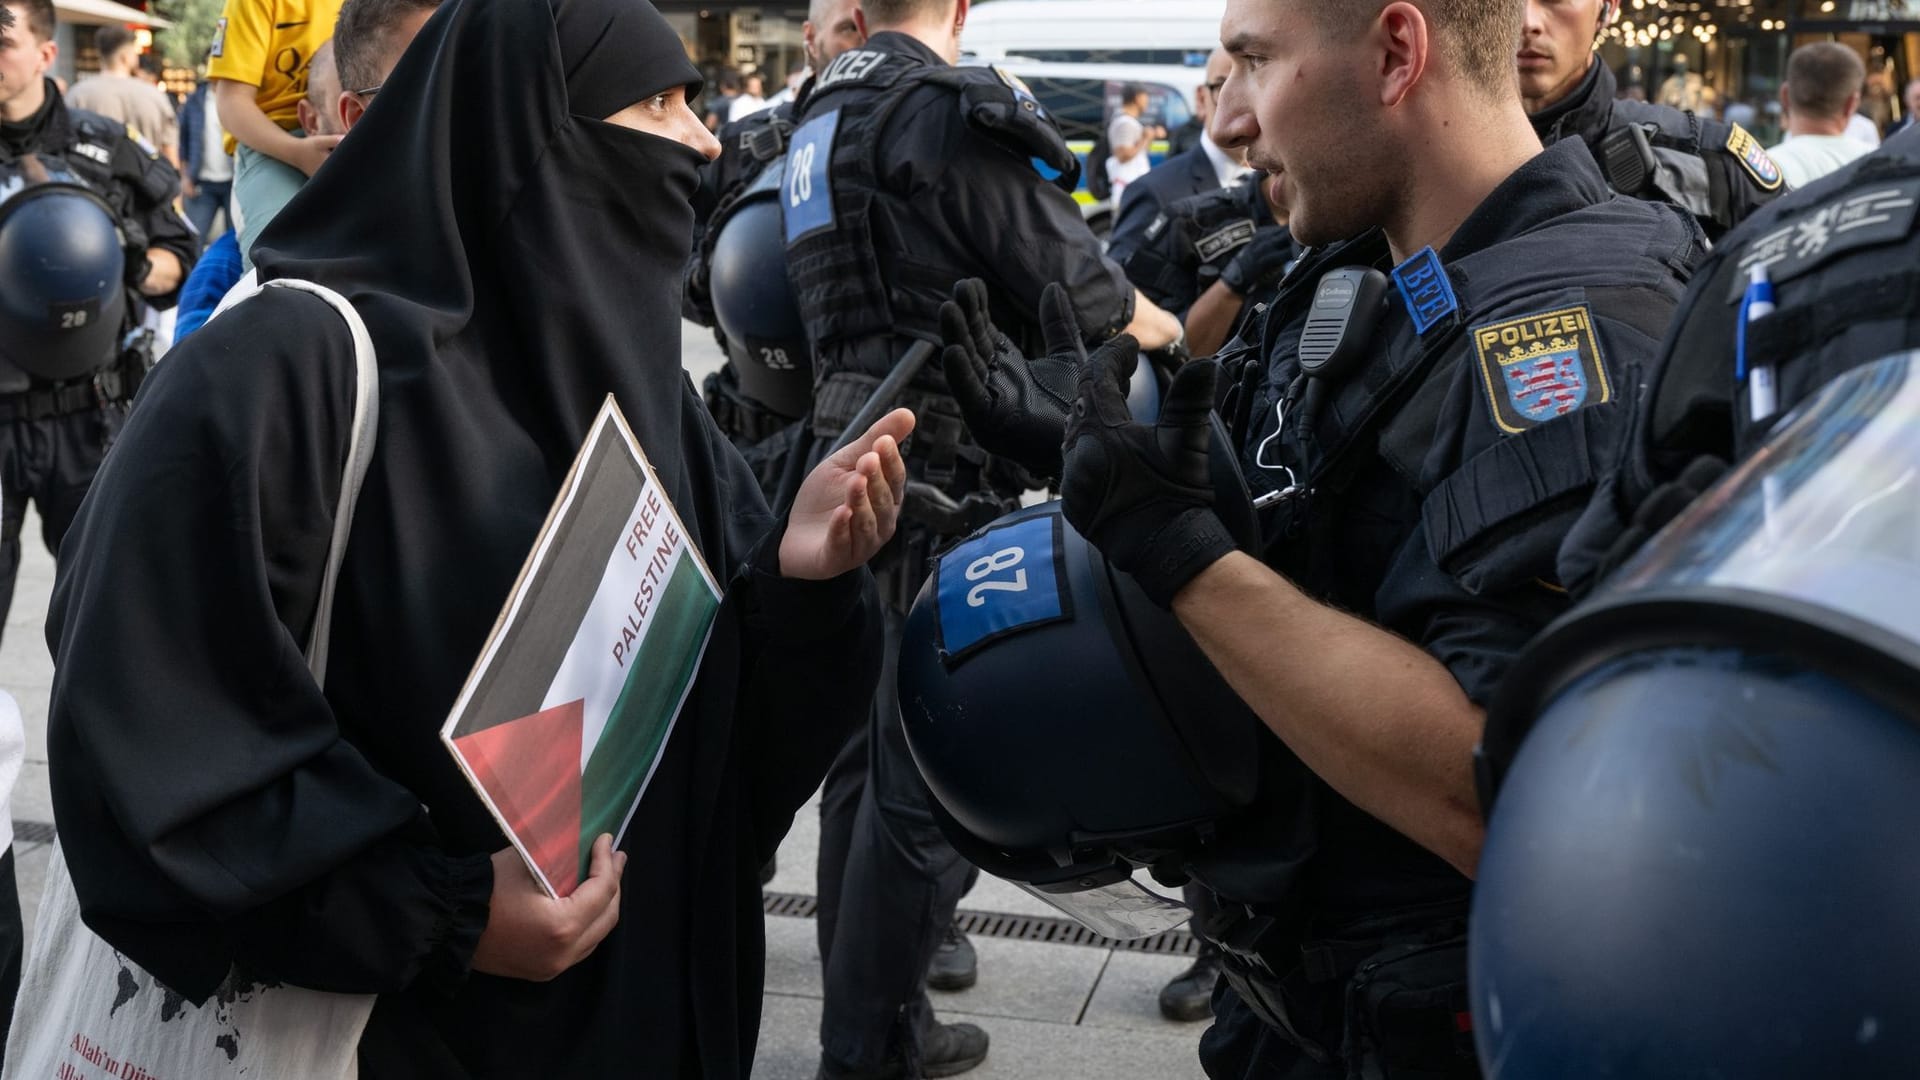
(210, 809)
(1480, 577)
(1137, 214)
(1022, 232)
(154, 183)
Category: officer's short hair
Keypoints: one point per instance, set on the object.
(895, 12)
(37, 14)
(109, 40)
(1477, 35)
(363, 36)
(1822, 76)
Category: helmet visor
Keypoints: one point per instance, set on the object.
(1824, 513)
(1123, 911)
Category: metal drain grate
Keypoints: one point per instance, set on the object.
(1057, 931)
(32, 832)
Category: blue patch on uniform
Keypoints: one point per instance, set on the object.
(807, 201)
(1001, 582)
(1046, 171)
(1424, 285)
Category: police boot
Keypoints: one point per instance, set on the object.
(945, 1050)
(954, 966)
(1190, 995)
(951, 1049)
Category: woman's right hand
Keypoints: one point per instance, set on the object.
(532, 936)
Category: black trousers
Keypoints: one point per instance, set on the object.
(1241, 1046)
(889, 883)
(52, 463)
(12, 944)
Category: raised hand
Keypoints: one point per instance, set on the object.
(1016, 407)
(847, 508)
(1143, 495)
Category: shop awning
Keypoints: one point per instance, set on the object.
(106, 12)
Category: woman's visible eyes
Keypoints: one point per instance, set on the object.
(660, 102)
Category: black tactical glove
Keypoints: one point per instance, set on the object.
(1144, 495)
(1660, 507)
(1015, 407)
(1261, 264)
(133, 245)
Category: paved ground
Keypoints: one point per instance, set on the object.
(1056, 1012)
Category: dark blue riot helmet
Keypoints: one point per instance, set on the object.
(1068, 728)
(1705, 782)
(754, 304)
(62, 298)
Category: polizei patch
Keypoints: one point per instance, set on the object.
(1753, 158)
(1539, 367)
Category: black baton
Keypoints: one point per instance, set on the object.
(885, 394)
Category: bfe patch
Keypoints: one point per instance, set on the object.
(1540, 367)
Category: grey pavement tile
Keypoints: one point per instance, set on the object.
(1027, 980)
(1022, 1049)
(793, 957)
(699, 353)
(992, 894)
(799, 852)
(32, 796)
(789, 1038)
(1128, 996)
(30, 873)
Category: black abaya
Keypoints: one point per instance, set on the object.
(515, 262)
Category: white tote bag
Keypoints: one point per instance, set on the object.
(85, 1012)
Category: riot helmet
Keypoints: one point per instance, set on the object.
(1702, 781)
(754, 304)
(62, 299)
(1069, 730)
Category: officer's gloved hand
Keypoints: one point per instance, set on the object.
(1261, 264)
(1144, 495)
(133, 244)
(1016, 407)
(1661, 506)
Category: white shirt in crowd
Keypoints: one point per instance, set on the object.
(1126, 130)
(1806, 158)
(746, 105)
(215, 166)
(1229, 170)
(1862, 129)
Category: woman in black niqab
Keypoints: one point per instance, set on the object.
(516, 258)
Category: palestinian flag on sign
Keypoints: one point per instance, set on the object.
(571, 704)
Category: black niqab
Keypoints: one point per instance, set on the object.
(507, 247)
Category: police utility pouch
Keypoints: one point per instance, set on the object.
(1407, 1014)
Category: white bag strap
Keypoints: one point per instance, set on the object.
(366, 424)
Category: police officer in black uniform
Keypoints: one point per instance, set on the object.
(1786, 746)
(56, 425)
(747, 148)
(1839, 259)
(1214, 257)
(775, 360)
(1716, 171)
(904, 175)
(1420, 414)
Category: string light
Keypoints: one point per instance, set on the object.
(1643, 22)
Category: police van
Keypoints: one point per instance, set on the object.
(1075, 55)
(1158, 33)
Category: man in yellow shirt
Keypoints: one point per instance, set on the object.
(261, 49)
